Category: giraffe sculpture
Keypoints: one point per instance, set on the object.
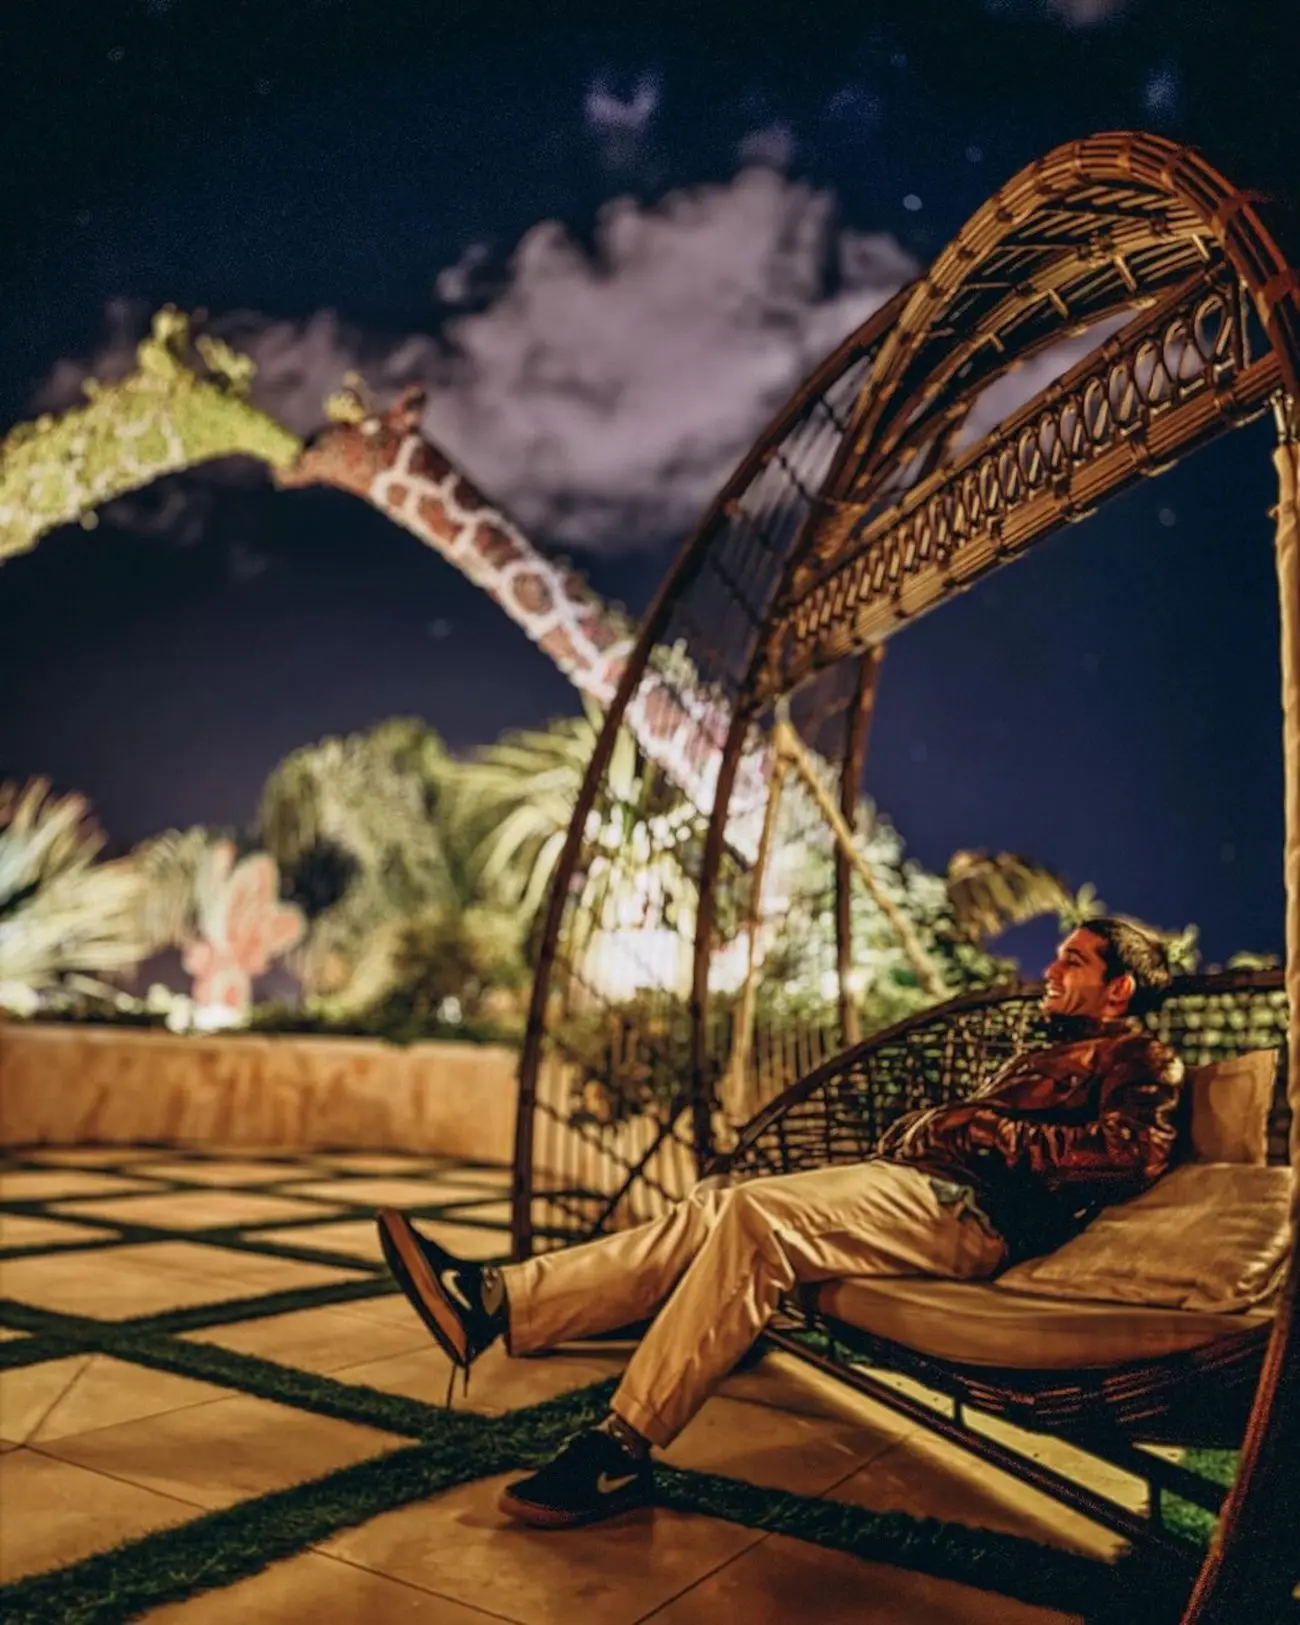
(386, 460)
(187, 403)
(174, 410)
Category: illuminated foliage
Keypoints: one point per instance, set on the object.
(61, 912)
(183, 404)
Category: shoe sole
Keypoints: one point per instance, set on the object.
(420, 1286)
(540, 1517)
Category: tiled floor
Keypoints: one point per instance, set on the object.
(104, 1447)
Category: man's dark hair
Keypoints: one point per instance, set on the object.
(1128, 950)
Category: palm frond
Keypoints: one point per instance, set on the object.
(60, 911)
(169, 866)
(989, 893)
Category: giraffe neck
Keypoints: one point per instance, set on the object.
(679, 727)
(554, 606)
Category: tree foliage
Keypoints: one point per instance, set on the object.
(61, 912)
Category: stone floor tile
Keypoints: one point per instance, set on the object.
(482, 1212)
(320, 1340)
(70, 1512)
(217, 1454)
(468, 1240)
(787, 1383)
(459, 1545)
(1100, 1476)
(389, 1309)
(58, 1398)
(356, 1236)
(6, 1332)
(377, 1193)
(94, 1156)
(930, 1477)
(312, 1589)
(236, 1171)
(53, 1184)
(490, 1177)
(497, 1383)
(359, 1237)
(196, 1210)
(27, 1230)
(790, 1582)
(760, 1445)
(382, 1163)
(148, 1278)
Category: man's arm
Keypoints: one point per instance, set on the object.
(1132, 1135)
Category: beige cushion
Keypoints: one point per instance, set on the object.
(1230, 1103)
(978, 1323)
(1212, 1237)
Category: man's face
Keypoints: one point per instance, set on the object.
(1076, 982)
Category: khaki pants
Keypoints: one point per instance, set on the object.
(713, 1270)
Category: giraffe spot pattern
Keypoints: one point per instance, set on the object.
(560, 646)
(427, 463)
(534, 595)
(435, 519)
(467, 496)
(597, 630)
(495, 547)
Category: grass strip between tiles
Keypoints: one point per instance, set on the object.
(457, 1447)
(217, 1549)
(1012, 1565)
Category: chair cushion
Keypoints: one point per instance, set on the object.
(977, 1323)
(1211, 1237)
(1230, 1104)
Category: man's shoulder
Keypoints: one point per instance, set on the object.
(1140, 1049)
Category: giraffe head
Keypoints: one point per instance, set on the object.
(357, 445)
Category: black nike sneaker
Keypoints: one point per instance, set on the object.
(592, 1478)
(452, 1296)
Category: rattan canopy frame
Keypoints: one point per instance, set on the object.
(870, 499)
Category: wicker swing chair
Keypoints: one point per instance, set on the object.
(875, 495)
(1029, 1361)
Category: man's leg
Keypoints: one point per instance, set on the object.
(615, 1281)
(579, 1291)
(875, 1218)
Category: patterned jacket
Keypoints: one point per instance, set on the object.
(1055, 1135)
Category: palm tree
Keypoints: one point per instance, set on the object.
(361, 825)
(61, 913)
(514, 802)
(514, 799)
(169, 865)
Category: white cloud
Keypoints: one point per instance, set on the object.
(606, 112)
(774, 145)
(1084, 13)
(621, 128)
(602, 397)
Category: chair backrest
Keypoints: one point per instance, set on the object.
(838, 1112)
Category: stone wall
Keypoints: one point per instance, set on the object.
(116, 1085)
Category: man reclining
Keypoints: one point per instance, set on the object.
(959, 1191)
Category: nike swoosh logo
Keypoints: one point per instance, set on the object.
(607, 1485)
(451, 1285)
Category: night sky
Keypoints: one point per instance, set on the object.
(1110, 705)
